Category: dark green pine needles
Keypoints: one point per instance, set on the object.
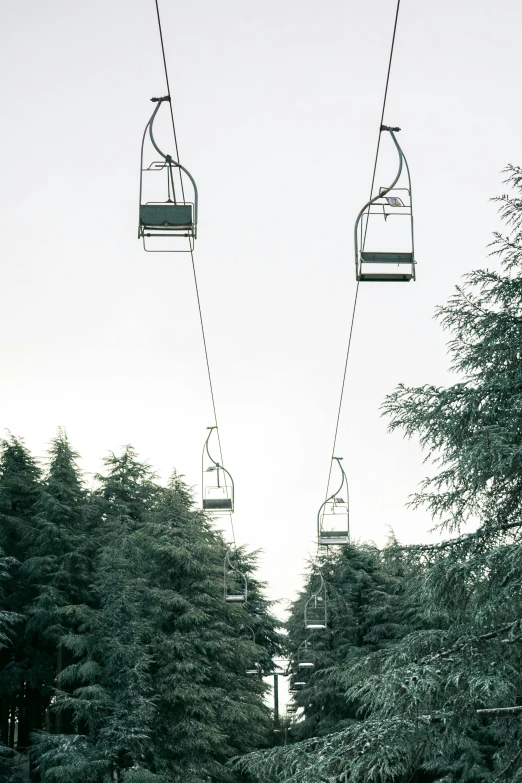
(419, 677)
(120, 659)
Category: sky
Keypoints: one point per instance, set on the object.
(277, 106)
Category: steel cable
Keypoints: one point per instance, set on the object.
(192, 254)
(363, 244)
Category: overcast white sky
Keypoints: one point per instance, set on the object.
(277, 106)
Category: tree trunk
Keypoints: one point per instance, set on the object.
(4, 719)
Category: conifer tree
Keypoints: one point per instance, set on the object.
(209, 708)
(23, 668)
(111, 704)
(57, 561)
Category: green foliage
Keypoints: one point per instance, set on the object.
(364, 591)
(120, 659)
(426, 654)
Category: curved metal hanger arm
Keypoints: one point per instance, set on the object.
(149, 126)
(343, 481)
(205, 447)
(368, 204)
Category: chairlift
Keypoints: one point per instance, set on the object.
(333, 518)
(397, 265)
(168, 215)
(235, 583)
(305, 655)
(253, 668)
(216, 482)
(315, 617)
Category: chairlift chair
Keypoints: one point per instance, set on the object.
(397, 265)
(252, 668)
(235, 583)
(168, 212)
(333, 517)
(217, 483)
(305, 655)
(315, 611)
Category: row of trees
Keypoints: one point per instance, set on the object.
(120, 659)
(419, 677)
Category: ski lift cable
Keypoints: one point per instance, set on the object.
(191, 251)
(364, 240)
(210, 378)
(168, 90)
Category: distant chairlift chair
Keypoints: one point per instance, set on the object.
(217, 485)
(305, 655)
(390, 266)
(333, 518)
(315, 611)
(252, 668)
(235, 583)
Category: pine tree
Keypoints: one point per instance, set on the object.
(208, 708)
(23, 668)
(111, 704)
(57, 563)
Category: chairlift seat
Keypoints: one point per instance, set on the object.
(166, 215)
(305, 665)
(387, 258)
(236, 597)
(316, 626)
(212, 504)
(327, 537)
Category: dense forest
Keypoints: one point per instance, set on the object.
(120, 658)
(418, 677)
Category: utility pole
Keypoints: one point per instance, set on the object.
(277, 724)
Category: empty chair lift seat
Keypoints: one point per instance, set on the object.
(399, 259)
(327, 537)
(166, 215)
(221, 504)
(237, 597)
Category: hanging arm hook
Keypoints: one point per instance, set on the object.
(328, 499)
